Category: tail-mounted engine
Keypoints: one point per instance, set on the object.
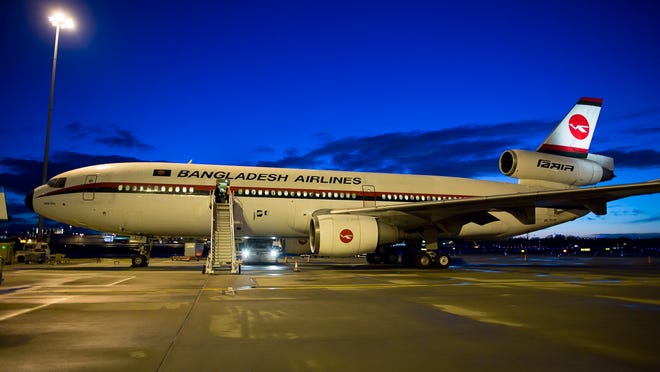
(345, 235)
(538, 166)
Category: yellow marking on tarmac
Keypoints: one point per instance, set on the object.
(479, 316)
(120, 281)
(346, 286)
(497, 280)
(139, 306)
(632, 299)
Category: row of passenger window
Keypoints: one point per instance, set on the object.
(286, 193)
(400, 197)
(156, 188)
(336, 195)
(296, 194)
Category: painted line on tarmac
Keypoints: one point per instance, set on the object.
(120, 281)
(479, 316)
(25, 311)
(632, 299)
(14, 289)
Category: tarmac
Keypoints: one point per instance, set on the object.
(486, 313)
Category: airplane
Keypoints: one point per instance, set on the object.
(345, 214)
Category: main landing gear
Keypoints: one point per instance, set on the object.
(428, 259)
(410, 256)
(143, 255)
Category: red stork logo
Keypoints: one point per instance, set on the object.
(579, 126)
(346, 236)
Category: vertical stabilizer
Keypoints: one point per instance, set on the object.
(572, 136)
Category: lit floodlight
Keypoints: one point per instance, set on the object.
(61, 20)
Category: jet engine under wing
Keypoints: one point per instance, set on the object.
(521, 205)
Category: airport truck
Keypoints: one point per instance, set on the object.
(33, 252)
(259, 250)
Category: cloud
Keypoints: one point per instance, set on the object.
(107, 135)
(647, 220)
(638, 114)
(640, 159)
(77, 130)
(125, 139)
(462, 151)
(466, 151)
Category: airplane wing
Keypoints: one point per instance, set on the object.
(458, 212)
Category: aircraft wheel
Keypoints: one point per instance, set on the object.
(390, 258)
(371, 258)
(443, 261)
(140, 261)
(423, 260)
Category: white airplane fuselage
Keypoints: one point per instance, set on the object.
(169, 199)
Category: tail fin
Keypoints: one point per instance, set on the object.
(572, 136)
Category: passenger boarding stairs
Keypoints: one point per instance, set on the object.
(222, 252)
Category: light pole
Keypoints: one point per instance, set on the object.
(60, 21)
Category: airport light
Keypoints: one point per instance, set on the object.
(60, 21)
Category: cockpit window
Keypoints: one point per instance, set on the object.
(57, 182)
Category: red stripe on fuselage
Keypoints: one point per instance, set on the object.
(253, 191)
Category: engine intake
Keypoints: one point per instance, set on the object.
(528, 165)
(348, 235)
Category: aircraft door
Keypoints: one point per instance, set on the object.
(88, 188)
(368, 196)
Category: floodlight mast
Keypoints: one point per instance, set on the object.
(60, 21)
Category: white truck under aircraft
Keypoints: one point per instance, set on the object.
(349, 213)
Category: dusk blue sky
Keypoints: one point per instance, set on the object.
(429, 87)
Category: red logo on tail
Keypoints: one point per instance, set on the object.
(579, 126)
(346, 236)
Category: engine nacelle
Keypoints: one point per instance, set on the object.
(346, 235)
(528, 165)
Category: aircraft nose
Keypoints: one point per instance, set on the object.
(28, 201)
